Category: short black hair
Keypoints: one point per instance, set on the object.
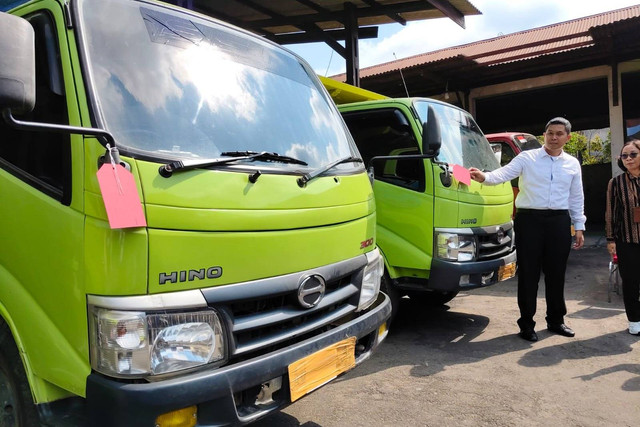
(559, 121)
(630, 141)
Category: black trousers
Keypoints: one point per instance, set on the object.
(543, 241)
(628, 258)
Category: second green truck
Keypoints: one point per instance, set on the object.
(438, 235)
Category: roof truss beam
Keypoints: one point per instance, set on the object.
(294, 38)
(338, 16)
(396, 17)
(449, 11)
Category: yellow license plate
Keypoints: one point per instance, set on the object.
(506, 271)
(382, 330)
(317, 369)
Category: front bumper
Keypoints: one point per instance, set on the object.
(215, 392)
(445, 275)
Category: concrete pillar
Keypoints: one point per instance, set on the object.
(616, 118)
(616, 113)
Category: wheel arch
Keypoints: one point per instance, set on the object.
(7, 321)
(19, 312)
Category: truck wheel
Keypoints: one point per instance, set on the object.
(387, 287)
(433, 299)
(15, 396)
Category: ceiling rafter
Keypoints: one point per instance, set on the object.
(310, 28)
(296, 38)
(338, 16)
(449, 11)
(396, 17)
(312, 5)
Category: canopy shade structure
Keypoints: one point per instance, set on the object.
(329, 21)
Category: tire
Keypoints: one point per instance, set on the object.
(17, 408)
(387, 287)
(433, 298)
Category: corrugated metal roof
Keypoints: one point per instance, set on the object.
(523, 45)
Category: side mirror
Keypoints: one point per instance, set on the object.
(18, 79)
(431, 138)
(497, 151)
(17, 64)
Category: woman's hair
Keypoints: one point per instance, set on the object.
(635, 143)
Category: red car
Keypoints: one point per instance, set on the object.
(507, 145)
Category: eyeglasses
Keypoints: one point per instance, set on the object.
(633, 155)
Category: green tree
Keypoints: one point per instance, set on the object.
(577, 146)
(594, 151)
(606, 150)
(588, 151)
(596, 146)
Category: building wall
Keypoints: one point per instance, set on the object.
(595, 177)
(616, 111)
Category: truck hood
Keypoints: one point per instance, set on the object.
(214, 200)
(210, 228)
(475, 205)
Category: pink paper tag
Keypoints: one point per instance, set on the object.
(462, 174)
(120, 196)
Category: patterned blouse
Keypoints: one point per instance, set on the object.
(623, 194)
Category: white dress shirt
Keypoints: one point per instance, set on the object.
(546, 182)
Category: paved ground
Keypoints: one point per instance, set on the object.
(463, 364)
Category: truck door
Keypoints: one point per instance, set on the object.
(41, 218)
(403, 202)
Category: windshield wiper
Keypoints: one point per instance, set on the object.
(236, 156)
(302, 181)
(264, 155)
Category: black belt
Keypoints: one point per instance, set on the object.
(543, 212)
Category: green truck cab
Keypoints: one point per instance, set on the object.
(437, 234)
(256, 277)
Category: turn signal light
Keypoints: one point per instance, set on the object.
(186, 417)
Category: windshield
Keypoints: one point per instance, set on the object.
(169, 86)
(527, 142)
(462, 141)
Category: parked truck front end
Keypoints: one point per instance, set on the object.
(438, 235)
(256, 277)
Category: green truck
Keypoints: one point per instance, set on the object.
(254, 277)
(438, 235)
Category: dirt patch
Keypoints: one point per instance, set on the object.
(464, 365)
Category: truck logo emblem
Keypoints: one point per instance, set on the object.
(366, 243)
(500, 235)
(311, 290)
(469, 221)
(190, 275)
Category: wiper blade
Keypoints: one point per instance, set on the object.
(236, 156)
(302, 181)
(265, 155)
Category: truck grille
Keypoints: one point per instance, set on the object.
(494, 241)
(264, 315)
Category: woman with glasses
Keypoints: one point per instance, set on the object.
(622, 227)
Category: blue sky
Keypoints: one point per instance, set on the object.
(498, 17)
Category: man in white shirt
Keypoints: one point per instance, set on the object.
(549, 201)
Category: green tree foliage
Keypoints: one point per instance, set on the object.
(588, 147)
(577, 145)
(606, 151)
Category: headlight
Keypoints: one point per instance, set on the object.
(139, 344)
(371, 279)
(455, 247)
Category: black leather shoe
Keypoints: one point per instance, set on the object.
(529, 335)
(561, 329)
